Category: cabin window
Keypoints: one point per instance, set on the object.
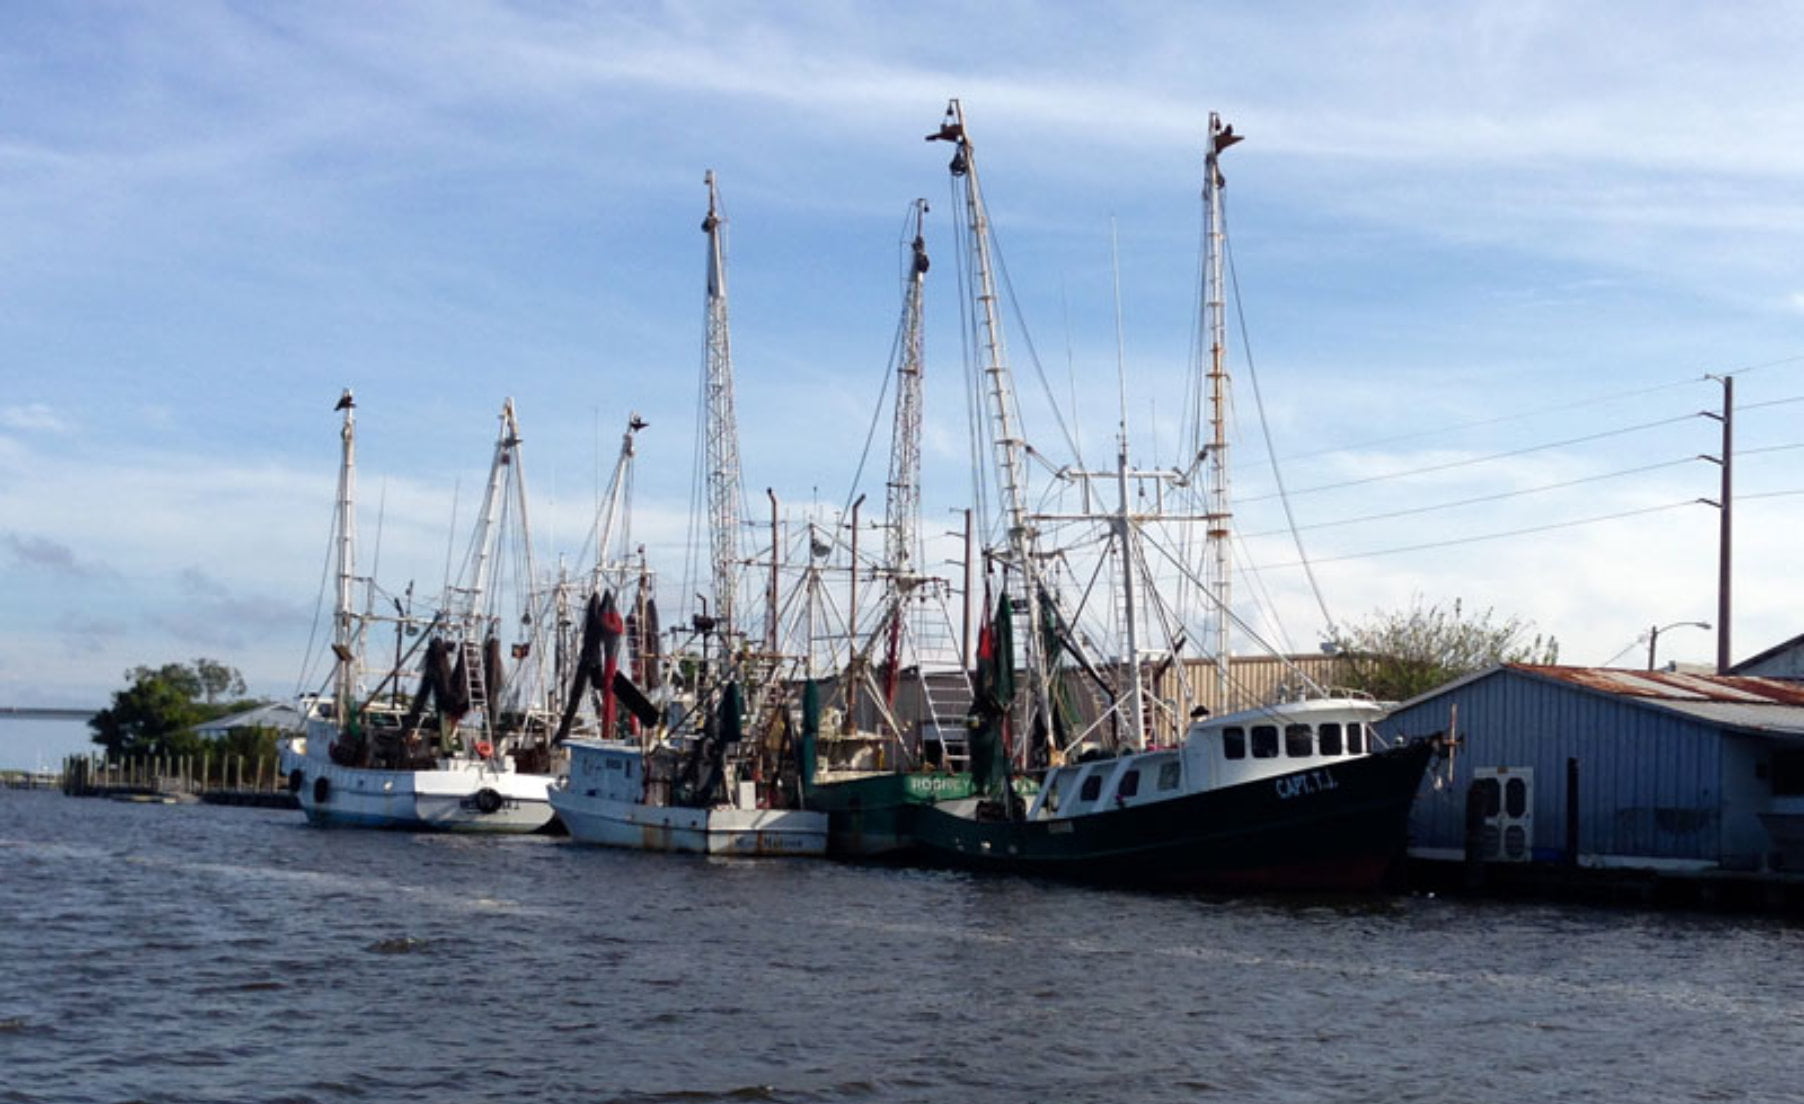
(1328, 736)
(1515, 797)
(1356, 738)
(1130, 784)
(1171, 773)
(1092, 787)
(1265, 741)
(1234, 743)
(614, 764)
(1298, 740)
(1052, 794)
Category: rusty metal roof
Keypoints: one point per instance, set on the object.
(1733, 701)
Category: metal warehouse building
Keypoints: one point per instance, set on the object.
(1613, 768)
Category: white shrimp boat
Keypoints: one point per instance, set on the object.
(370, 760)
(604, 800)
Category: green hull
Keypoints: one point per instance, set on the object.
(872, 816)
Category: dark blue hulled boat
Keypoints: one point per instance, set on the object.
(1292, 796)
(1132, 779)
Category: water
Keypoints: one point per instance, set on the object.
(36, 744)
(187, 953)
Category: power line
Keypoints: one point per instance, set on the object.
(1769, 402)
(1597, 400)
(1488, 498)
(1471, 461)
(1507, 533)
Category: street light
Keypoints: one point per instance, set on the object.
(1653, 636)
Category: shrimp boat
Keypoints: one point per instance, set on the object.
(884, 734)
(707, 767)
(693, 786)
(1283, 795)
(455, 758)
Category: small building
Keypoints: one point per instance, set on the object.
(1781, 661)
(1600, 767)
(284, 717)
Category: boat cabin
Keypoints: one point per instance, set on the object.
(609, 770)
(1217, 752)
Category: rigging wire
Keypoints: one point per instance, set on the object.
(1033, 354)
(895, 358)
(1271, 452)
(974, 423)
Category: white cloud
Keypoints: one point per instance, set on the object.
(32, 417)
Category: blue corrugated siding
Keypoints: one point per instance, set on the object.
(1649, 784)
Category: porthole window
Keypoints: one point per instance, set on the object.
(1265, 741)
(1299, 741)
(1328, 738)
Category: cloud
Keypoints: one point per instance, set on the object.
(32, 416)
(85, 636)
(208, 613)
(51, 555)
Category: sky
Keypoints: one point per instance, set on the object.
(1490, 259)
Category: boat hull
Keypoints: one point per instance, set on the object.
(714, 831)
(873, 816)
(470, 798)
(1340, 827)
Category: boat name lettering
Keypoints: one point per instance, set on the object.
(1308, 782)
(932, 785)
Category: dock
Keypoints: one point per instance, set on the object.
(180, 780)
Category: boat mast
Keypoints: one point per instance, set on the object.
(1007, 444)
(1219, 576)
(903, 509)
(1125, 536)
(720, 428)
(344, 619)
(613, 548)
(479, 566)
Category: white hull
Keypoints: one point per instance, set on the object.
(602, 802)
(717, 831)
(462, 797)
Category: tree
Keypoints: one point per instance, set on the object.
(1396, 656)
(218, 680)
(156, 714)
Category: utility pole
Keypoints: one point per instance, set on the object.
(1725, 504)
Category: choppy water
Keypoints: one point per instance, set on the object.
(152, 953)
